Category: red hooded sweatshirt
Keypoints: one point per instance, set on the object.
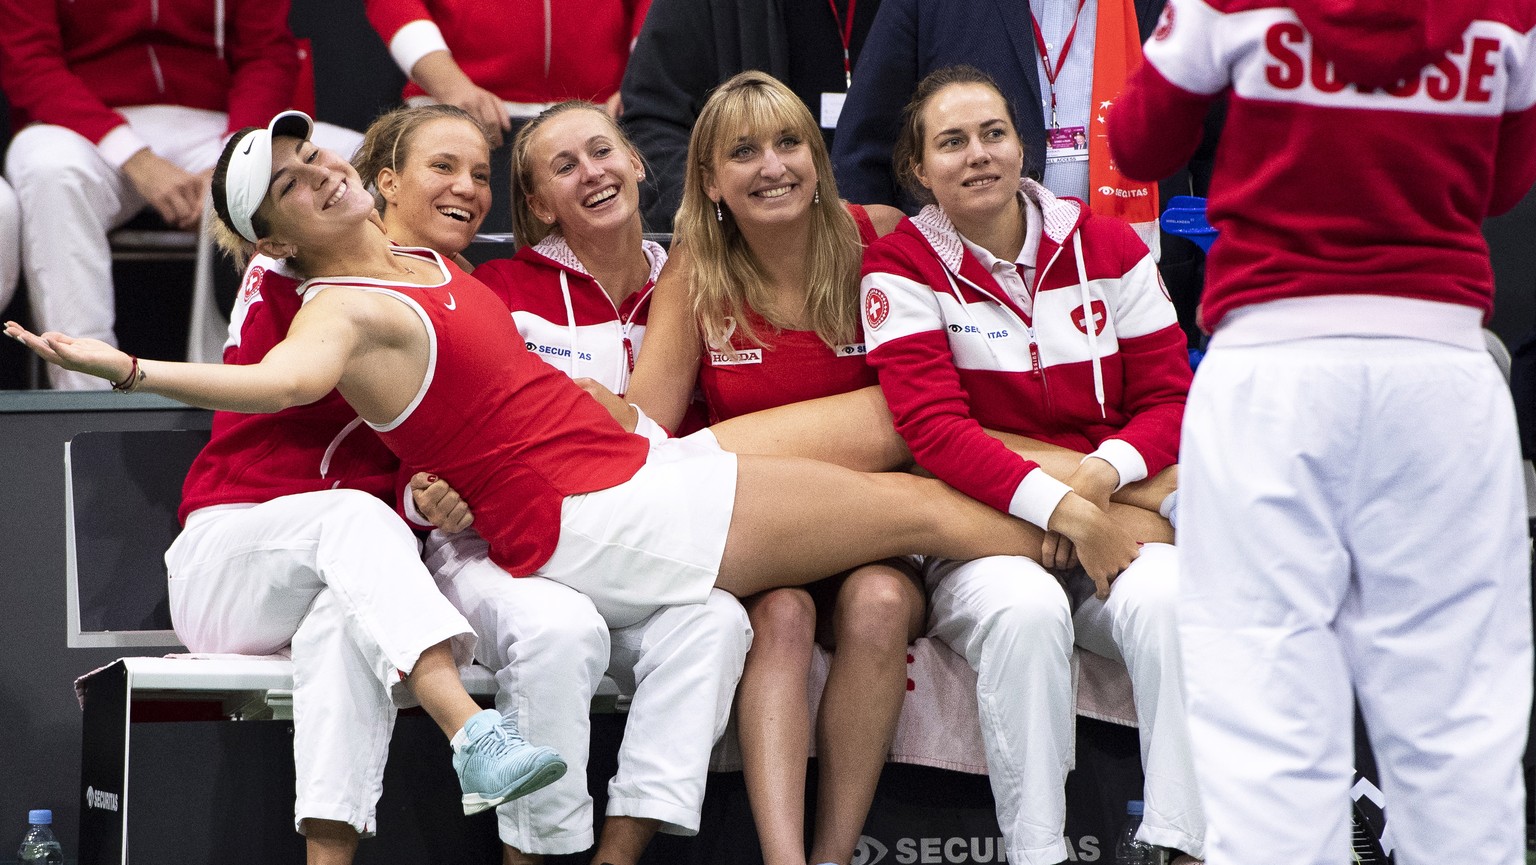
(1365, 142)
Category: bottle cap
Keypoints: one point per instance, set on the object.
(42, 816)
(1135, 807)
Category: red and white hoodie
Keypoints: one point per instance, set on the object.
(254, 458)
(1091, 359)
(71, 63)
(565, 317)
(523, 52)
(1365, 141)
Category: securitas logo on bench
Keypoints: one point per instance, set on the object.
(100, 799)
(956, 851)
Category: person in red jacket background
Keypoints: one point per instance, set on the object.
(505, 63)
(123, 104)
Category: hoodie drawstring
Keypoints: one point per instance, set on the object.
(570, 323)
(218, 28)
(965, 308)
(1090, 326)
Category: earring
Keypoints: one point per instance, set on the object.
(719, 217)
(816, 199)
(640, 175)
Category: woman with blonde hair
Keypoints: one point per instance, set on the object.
(760, 307)
(578, 289)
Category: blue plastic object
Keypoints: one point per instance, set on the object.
(1185, 217)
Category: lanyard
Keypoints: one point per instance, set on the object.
(845, 34)
(1045, 55)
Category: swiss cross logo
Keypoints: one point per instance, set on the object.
(251, 288)
(1164, 24)
(1099, 317)
(876, 307)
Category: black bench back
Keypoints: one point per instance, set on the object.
(121, 494)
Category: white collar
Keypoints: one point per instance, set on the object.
(1046, 215)
(556, 249)
(1028, 253)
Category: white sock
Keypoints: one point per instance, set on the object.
(1169, 509)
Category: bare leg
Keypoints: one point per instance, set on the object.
(623, 840)
(435, 682)
(512, 856)
(840, 518)
(879, 611)
(1143, 525)
(328, 842)
(774, 720)
(819, 429)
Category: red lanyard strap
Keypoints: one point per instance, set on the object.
(845, 35)
(1051, 71)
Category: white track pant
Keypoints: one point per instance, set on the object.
(1352, 522)
(10, 244)
(71, 197)
(549, 647)
(1011, 620)
(337, 575)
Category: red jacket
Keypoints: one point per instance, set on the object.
(545, 284)
(1098, 364)
(1323, 186)
(522, 52)
(71, 62)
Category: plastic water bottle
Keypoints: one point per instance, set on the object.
(39, 845)
(1129, 851)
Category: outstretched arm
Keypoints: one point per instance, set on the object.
(299, 370)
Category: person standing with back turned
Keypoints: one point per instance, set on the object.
(1352, 522)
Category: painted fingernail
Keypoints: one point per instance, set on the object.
(431, 479)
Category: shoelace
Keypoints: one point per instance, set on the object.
(502, 741)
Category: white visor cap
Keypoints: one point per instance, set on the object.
(250, 168)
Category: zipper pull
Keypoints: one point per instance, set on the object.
(1034, 351)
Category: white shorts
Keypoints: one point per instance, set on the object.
(655, 540)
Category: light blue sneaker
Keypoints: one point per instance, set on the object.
(495, 765)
